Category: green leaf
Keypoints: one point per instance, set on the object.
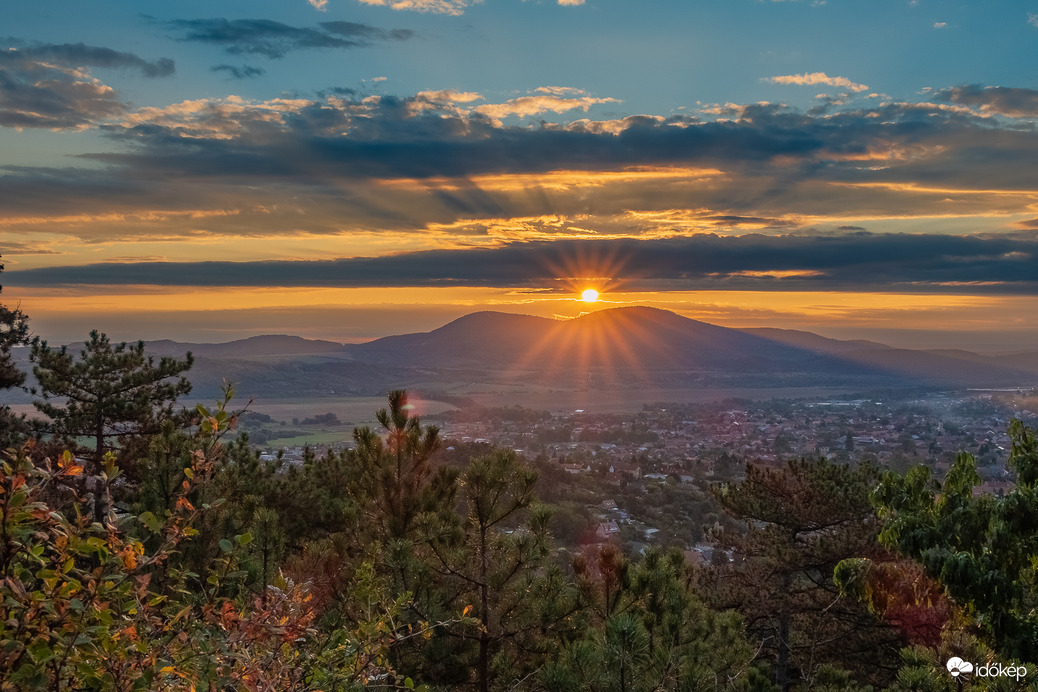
(244, 539)
(150, 520)
(226, 545)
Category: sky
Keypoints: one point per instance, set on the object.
(347, 169)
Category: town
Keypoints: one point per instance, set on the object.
(644, 478)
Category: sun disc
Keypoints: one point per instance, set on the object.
(589, 296)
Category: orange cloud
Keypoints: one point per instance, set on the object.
(556, 180)
(813, 78)
(535, 105)
(452, 7)
(215, 118)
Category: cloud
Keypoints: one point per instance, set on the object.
(275, 40)
(243, 72)
(215, 118)
(1032, 19)
(319, 5)
(49, 85)
(560, 91)
(859, 261)
(525, 106)
(58, 103)
(571, 3)
(1014, 102)
(73, 56)
(446, 96)
(432, 170)
(14, 248)
(940, 25)
(814, 78)
(452, 7)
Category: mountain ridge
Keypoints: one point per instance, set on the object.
(636, 338)
(633, 347)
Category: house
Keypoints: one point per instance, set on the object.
(607, 530)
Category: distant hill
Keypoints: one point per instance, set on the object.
(663, 348)
(940, 366)
(812, 341)
(614, 349)
(477, 339)
(264, 346)
(640, 338)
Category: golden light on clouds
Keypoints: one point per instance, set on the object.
(556, 180)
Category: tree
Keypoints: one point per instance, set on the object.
(649, 631)
(495, 555)
(109, 607)
(397, 482)
(801, 522)
(14, 331)
(109, 392)
(982, 549)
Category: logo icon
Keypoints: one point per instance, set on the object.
(956, 666)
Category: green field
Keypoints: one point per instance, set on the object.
(351, 411)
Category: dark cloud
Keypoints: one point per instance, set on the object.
(860, 261)
(336, 91)
(275, 40)
(735, 220)
(47, 86)
(412, 138)
(78, 55)
(57, 102)
(321, 167)
(1014, 102)
(850, 228)
(243, 72)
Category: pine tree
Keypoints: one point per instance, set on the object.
(801, 522)
(14, 331)
(495, 555)
(108, 392)
(648, 630)
(982, 549)
(397, 481)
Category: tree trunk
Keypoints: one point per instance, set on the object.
(484, 614)
(99, 443)
(782, 665)
(101, 496)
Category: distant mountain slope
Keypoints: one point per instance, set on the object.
(812, 341)
(638, 337)
(666, 347)
(949, 367)
(267, 345)
(613, 349)
(476, 339)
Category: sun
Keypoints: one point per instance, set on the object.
(589, 295)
